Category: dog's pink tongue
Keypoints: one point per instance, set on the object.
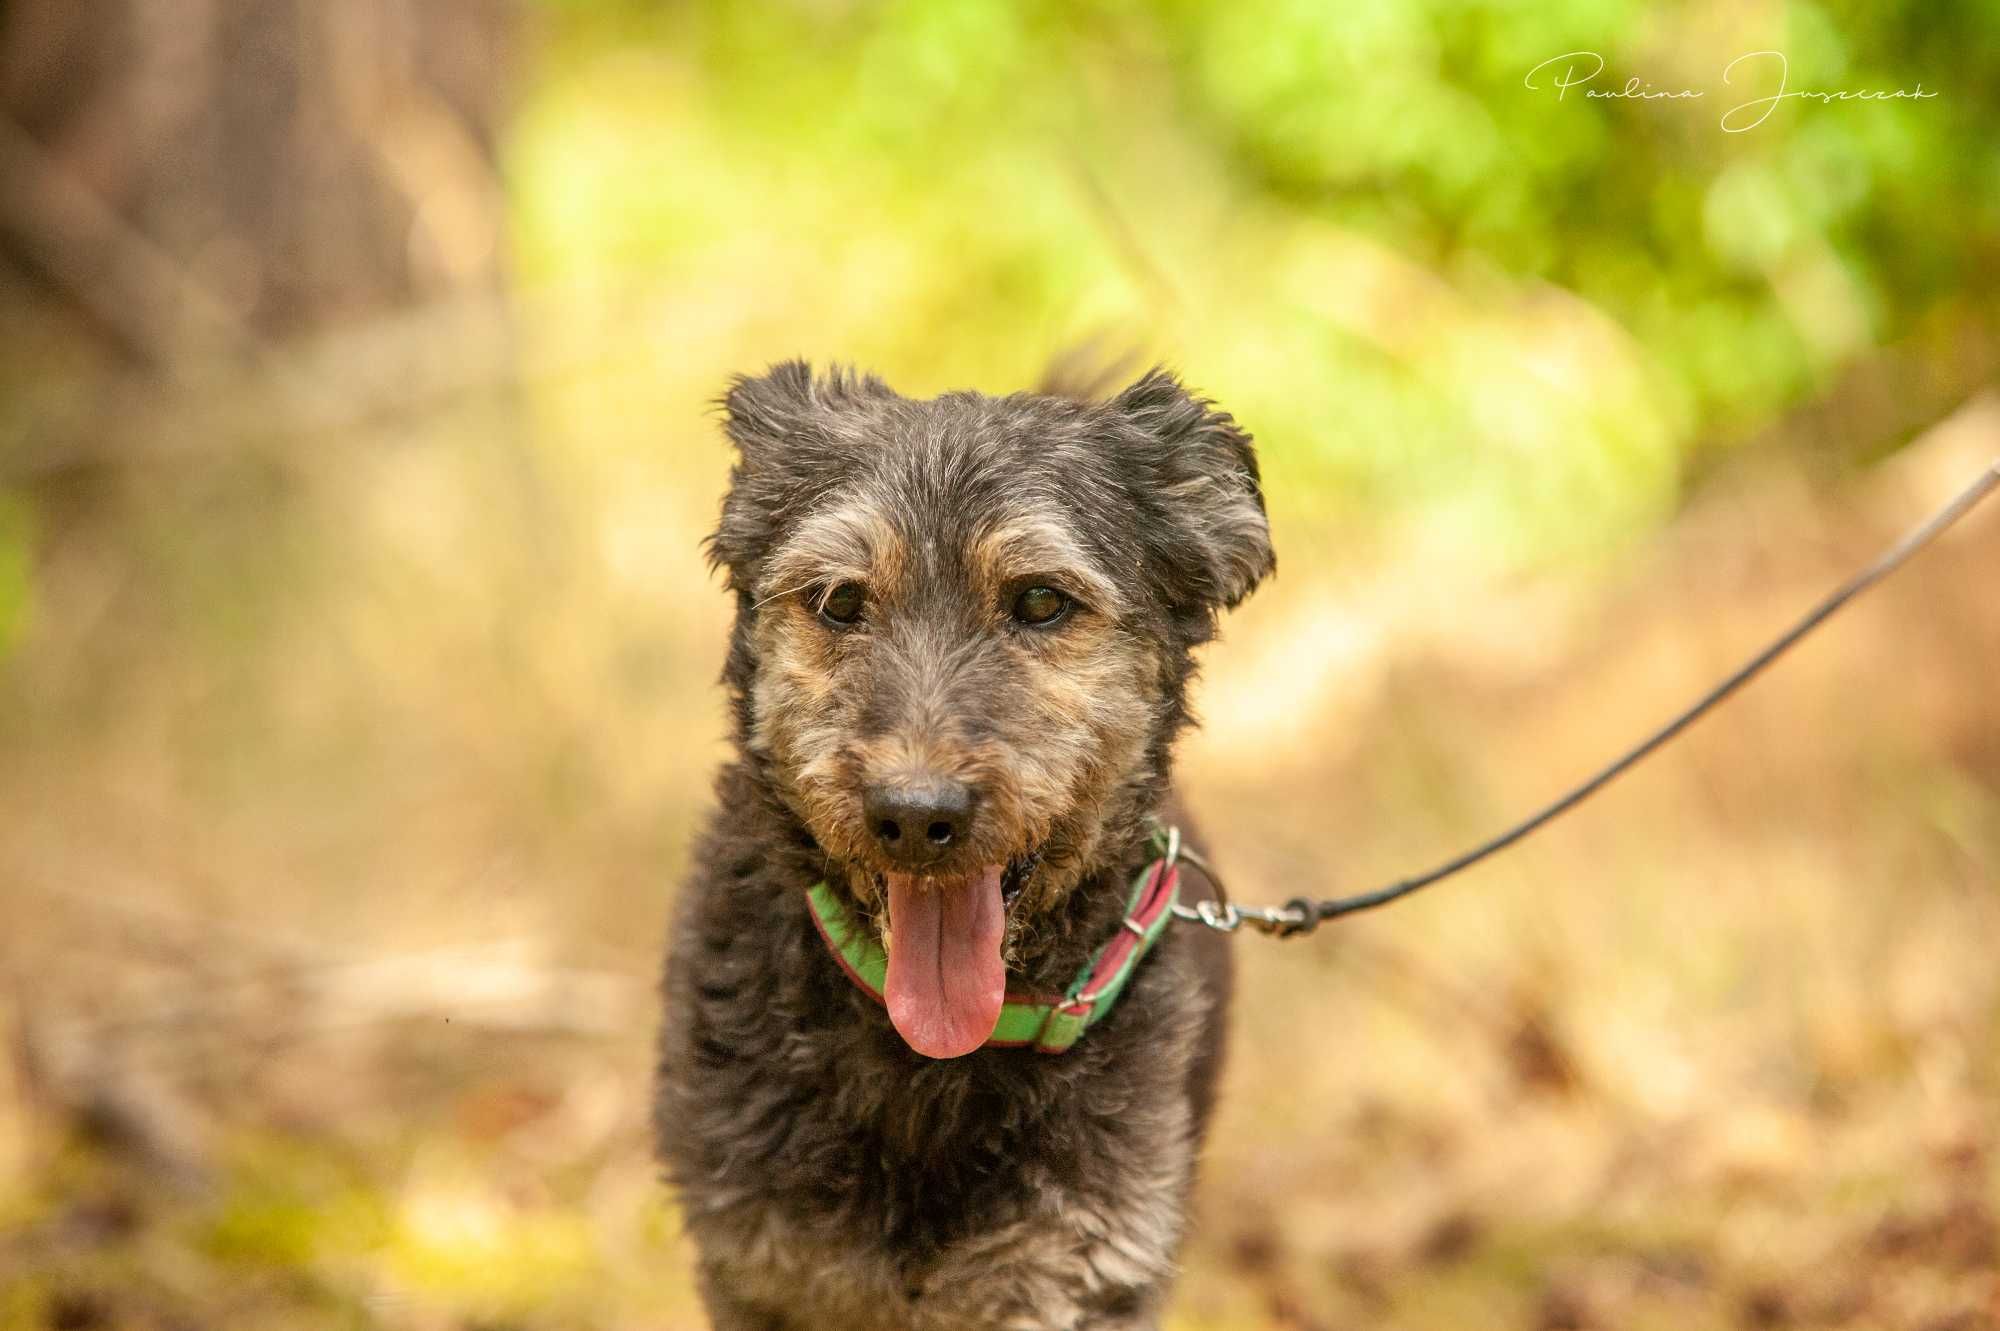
(946, 976)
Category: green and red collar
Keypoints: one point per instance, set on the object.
(1048, 1024)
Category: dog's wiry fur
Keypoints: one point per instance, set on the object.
(831, 1176)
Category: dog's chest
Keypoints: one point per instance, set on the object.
(1045, 1253)
(913, 1202)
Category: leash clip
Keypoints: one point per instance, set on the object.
(1225, 919)
(1295, 917)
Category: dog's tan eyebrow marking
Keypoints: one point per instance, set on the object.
(1029, 546)
(846, 543)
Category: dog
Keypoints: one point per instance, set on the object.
(963, 641)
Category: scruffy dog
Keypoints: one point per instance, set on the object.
(960, 658)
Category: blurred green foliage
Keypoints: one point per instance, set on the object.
(1519, 323)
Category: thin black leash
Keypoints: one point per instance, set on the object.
(1302, 915)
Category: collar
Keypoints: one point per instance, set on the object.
(1048, 1023)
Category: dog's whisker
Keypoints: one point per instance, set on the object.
(779, 596)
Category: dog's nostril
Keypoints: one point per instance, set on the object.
(916, 823)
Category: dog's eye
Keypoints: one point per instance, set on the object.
(1041, 606)
(841, 607)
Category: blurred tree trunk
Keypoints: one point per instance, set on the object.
(187, 172)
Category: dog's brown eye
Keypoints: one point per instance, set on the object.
(1040, 606)
(842, 605)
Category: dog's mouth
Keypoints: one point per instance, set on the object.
(1016, 876)
(947, 970)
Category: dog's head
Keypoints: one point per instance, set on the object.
(963, 639)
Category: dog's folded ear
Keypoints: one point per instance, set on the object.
(786, 425)
(1196, 467)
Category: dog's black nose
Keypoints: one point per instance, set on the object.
(916, 822)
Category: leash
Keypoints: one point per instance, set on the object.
(1301, 915)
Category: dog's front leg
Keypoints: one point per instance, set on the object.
(1136, 1311)
(1050, 1282)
